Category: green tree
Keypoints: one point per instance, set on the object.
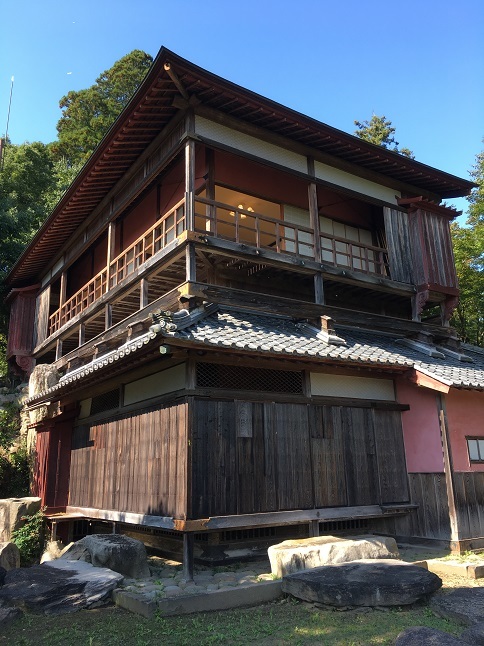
(380, 131)
(88, 114)
(468, 244)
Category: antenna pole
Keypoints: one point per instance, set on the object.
(3, 142)
(9, 106)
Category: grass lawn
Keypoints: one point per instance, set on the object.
(282, 622)
(286, 621)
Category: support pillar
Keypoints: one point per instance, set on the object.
(188, 543)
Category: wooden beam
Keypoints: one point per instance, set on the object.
(302, 309)
(268, 519)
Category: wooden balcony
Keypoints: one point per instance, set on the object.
(166, 229)
(233, 224)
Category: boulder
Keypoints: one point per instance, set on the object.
(12, 510)
(293, 556)
(474, 635)
(363, 583)
(3, 574)
(59, 587)
(117, 552)
(422, 636)
(43, 377)
(465, 605)
(9, 556)
(53, 550)
(9, 614)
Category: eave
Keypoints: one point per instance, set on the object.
(152, 108)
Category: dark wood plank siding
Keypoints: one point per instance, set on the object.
(42, 316)
(294, 456)
(399, 245)
(52, 465)
(134, 463)
(431, 519)
(469, 503)
(431, 247)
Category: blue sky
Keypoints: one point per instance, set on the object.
(418, 62)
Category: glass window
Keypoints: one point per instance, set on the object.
(475, 446)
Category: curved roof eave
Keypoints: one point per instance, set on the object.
(150, 109)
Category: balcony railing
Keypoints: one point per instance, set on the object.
(254, 229)
(355, 255)
(231, 223)
(164, 231)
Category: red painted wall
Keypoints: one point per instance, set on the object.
(421, 430)
(262, 181)
(141, 218)
(465, 416)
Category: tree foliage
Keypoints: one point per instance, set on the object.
(468, 244)
(380, 131)
(89, 113)
(25, 182)
(34, 176)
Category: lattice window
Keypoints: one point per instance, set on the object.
(212, 375)
(106, 401)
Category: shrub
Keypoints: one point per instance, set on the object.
(30, 538)
(14, 472)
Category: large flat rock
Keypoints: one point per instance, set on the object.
(363, 583)
(465, 605)
(296, 555)
(114, 551)
(59, 587)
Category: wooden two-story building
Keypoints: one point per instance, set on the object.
(246, 315)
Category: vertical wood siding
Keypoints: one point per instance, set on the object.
(431, 518)
(298, 456)
(469, 503)
(399, 245)
(137, 463)
(431, 247)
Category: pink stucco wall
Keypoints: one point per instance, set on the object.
(465, 416)
(421, 430)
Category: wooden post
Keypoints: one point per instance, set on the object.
(58, 349)
(63, 288)
(314, 220)
(143, 293)
(108, 316)
(188, 542)
(191, 263)
(210, 190)
(448, 468)
(82, 334)
(313, 528)
(110, 250)
(190, 184)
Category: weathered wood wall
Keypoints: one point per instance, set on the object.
(52, 462)
(435, 262)
(135, 463)
(398, 245)
(253, 457)
(431, 519)
(469, 503)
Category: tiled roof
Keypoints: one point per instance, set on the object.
(245, 330)
(248, 331)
